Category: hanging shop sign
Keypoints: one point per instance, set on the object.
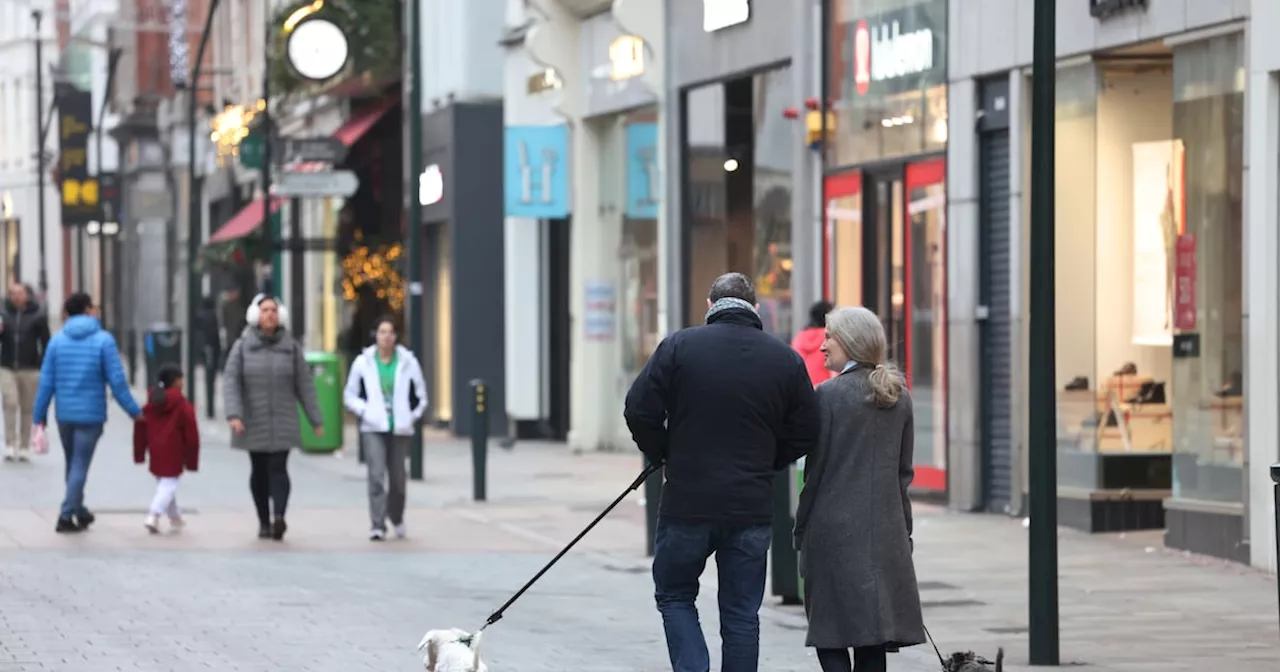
(721, 14)
(613, 64)
(643, 177)
(431, 186)
(900, 51)
(80, 201)
(536, 171)
(1105, 9)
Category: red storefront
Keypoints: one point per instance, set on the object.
(884, 239)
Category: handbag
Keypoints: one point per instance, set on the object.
(39, 440)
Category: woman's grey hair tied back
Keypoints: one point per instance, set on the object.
(861, 336)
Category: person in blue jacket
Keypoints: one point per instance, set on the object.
(79, 363)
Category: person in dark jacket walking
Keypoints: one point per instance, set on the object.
(724, 406)
(853, 524)
(24, 335)
(82, 360)
(168, 434)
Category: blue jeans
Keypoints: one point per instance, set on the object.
(78, 444)
(680, 554)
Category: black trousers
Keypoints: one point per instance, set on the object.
(865, 659)
(269, 483)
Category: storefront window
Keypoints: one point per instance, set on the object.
(926, 298)
(639, 251)
(738, 200)
(1208, 364)
(887, 76)
(1148, 283)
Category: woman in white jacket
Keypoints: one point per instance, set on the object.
(385, 389)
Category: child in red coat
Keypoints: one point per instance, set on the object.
(168, 431)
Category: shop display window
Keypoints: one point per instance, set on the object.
(639, 250)
(738, 159)
(1148, 281)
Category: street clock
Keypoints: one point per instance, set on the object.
(317, 49)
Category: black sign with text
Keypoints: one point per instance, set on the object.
(80, 199)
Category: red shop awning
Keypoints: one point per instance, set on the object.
(359, 123)
(244, 222)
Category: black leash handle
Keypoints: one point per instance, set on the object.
(649, 470)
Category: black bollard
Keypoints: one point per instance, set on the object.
(652, 497)
(479, 439)
(1275, 478)
(210, 377)
(131, 353)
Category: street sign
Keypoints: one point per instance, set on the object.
(321, 149)
(333, 183)
(252, 148)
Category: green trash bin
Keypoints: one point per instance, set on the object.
(326, 369)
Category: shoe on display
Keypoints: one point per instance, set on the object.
(1078, 383)
(377, 535)
(1129, 369)
(152, 524)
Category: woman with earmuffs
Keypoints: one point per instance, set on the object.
(265, 379)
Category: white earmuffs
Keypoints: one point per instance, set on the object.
(251, 315)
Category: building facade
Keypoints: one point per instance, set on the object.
(609, 61)
(1164, 116)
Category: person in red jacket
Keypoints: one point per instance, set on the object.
(809, 343)
(168, 433)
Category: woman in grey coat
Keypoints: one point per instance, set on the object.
(853, 524)
(266, 378)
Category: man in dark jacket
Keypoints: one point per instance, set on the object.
(725, 406)
(24, 334)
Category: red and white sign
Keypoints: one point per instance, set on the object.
(862, 58)
(1184, 291)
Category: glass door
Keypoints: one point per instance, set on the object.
(842, 239)
(884, 272)
(926, 316)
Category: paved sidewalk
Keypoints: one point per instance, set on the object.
(215, 597)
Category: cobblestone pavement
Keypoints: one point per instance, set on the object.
(214, 597)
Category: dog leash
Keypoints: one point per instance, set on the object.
(941, 660)
(496, 616)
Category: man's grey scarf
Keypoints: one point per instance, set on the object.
(729, 303)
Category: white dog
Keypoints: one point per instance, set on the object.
(452, 650)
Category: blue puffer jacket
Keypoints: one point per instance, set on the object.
(79, 363)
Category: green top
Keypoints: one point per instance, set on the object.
(387, 376)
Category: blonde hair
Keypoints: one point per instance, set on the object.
(861, 336)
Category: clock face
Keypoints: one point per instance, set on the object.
(317, 49)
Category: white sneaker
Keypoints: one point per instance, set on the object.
(401, 531)
(153, 524)
(377, 535)
(24, 454)
(10, 454)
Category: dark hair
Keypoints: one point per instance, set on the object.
(77, 304)
(818, 313)
(386, 319)
(168, 375)
(733, 286)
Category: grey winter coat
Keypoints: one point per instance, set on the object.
(266, 377)
(853, 523)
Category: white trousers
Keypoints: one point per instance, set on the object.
(166, 498)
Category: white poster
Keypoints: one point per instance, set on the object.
(1157, 198)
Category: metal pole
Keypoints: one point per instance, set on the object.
(414, 317)
(36, 15)
(194, 214)
(479, 440)
(113, 62)
(274, 232)
(1275, 478)
(1043, 496)
(297, 273)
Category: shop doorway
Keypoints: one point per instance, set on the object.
(437, 360)
(885, 245)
